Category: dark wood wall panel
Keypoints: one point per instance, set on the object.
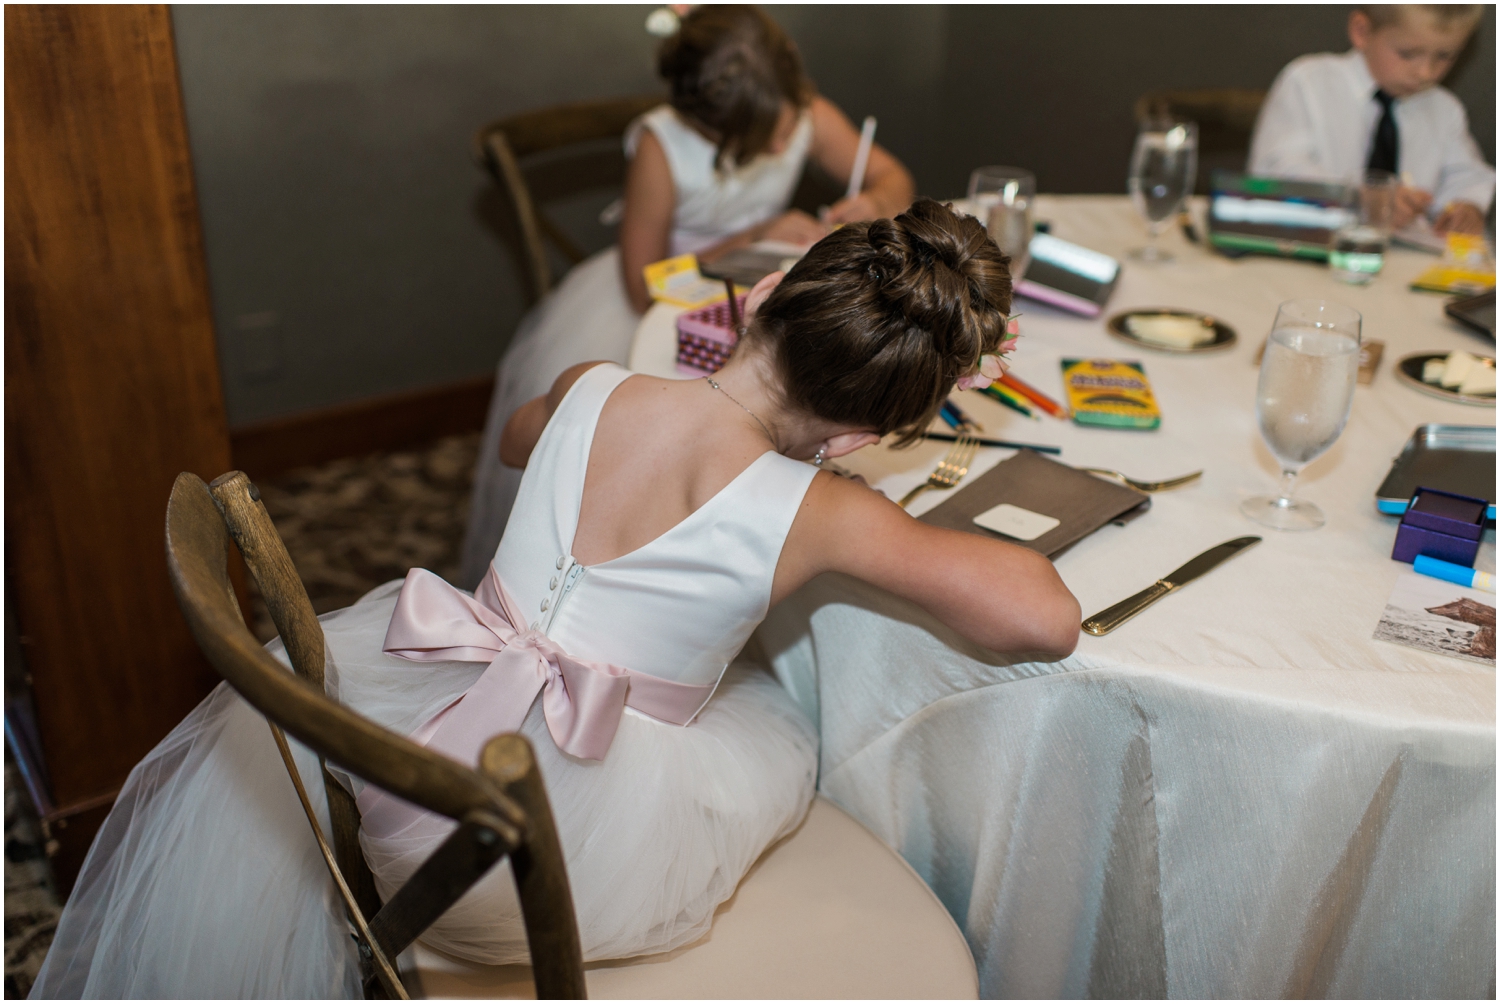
(394, 422)
(111, 380)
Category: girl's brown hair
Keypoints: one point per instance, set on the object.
(730, 69)
(876, 323)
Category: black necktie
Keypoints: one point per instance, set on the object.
(1385, 151)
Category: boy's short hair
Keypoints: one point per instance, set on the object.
(1445, 15)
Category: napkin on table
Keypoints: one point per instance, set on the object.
(1080, 501)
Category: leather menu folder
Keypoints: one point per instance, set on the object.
(1080, 501)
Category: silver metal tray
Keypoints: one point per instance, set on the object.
(1450, 458)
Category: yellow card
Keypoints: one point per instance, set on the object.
(677, 281)
(1467, 267)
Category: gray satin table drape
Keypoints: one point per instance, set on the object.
(1237, 794)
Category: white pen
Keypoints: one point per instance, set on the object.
(861, 157)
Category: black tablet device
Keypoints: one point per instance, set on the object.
(1291, 219)
(748, 265)
(1475, 312)
(1066, 275)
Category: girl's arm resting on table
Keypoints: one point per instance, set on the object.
(793, 226)
(525, 425)
(646, 228)
(888, 187)
(998, 595)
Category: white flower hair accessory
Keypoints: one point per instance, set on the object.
(663, 22)
(993, 367)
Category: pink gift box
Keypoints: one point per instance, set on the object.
(706, 338)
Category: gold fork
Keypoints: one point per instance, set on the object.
(1145, 486)
(951, 470)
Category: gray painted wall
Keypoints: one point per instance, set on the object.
(345, 223)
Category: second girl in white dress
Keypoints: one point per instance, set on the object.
(710, 171)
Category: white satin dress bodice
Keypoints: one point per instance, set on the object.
(679, 607)
(716, 200)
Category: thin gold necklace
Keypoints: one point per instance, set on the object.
(715, 385)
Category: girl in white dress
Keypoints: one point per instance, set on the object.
(657, 522)
(712, 171)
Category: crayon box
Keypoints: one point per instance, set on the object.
(1110, 393)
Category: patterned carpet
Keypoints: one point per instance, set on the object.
(31, 906)
(349, 526)
(352, 524)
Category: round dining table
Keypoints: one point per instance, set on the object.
(1239, 792)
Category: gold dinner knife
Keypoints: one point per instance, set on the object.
(1110, 618)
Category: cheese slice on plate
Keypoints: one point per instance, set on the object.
(1459, 364)
(1480, 380)
(1164, 329)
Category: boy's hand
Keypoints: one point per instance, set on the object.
(1410, 203)
(1459, 218)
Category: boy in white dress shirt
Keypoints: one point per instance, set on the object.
(1331, 117)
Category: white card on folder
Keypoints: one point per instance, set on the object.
(1013, 521)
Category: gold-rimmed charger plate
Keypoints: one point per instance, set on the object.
(1409, 371)
(1224, 335)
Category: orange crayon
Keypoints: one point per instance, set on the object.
(1035, 396)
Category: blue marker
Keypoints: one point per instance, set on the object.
(957, 418)
(1449, 572)
(948, 417)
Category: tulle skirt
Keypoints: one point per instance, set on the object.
(205, 880)
(587, 317)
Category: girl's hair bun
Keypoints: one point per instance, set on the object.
(876, 323)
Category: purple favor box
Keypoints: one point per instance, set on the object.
(1441, 525)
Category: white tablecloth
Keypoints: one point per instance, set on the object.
(1237, 793)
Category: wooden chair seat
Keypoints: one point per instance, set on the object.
(828, 912)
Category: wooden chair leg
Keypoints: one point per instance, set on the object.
(540, 873)
(450, 871)
(343, 815)
(384, 973)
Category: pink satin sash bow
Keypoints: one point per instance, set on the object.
(582, 701)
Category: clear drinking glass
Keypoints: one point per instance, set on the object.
(1163, 167)
(1003, 197)
(1358, 250)
(1302, 400)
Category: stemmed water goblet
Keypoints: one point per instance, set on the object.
(1163, 167)
(1302, 400)
(1002, 198)
(1358, 246)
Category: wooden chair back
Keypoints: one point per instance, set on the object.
(1226, 121)
(501, 807)
(500, 146)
